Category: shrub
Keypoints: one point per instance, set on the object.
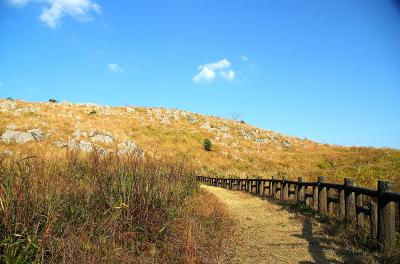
(93, 112)
(51, 100)
(207, 144)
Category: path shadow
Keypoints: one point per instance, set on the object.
(318, 245)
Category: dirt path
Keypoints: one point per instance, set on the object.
(267, 233)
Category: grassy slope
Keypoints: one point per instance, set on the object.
(236, 156)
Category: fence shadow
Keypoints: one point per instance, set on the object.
(318, 245)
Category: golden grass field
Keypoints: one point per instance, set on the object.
(169, 133)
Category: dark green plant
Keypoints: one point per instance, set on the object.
(207, 144)
(51, 100)
(93, 112)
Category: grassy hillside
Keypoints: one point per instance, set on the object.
(239, 149)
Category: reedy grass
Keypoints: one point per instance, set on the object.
(86, 209)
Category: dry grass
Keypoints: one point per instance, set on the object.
(89, 209)
(233, 155)
(198, 236)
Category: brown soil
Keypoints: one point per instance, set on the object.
(267, 233)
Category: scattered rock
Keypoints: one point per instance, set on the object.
(259, 140)
(192, 119)
(130, 110)
(286, 144)
(246, 136)
(7, 105)
(130, 148)
(20, 137)
(37, 134)
(28, 109)
(223, 128)
(7, 153)
(206, 126)
(165, 120)
(78, 134)
(102, 138)
(11, 127)
(60, 144)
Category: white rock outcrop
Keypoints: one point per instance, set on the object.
(20, 137)
(128, 147)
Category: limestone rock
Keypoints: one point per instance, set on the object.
(7, 105)
(28, 109)
(102, 138)
(18, 137)
(37, 134)
(129, 147)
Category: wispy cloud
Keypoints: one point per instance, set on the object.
(244, 58)
(56, 9)
(114, 68)
(18, 3)
(209, 72)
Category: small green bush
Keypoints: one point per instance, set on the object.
(51, 100)
(207, 144)
(93, 112)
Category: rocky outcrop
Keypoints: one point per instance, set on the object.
(7, 105)
(128, 147)
(28, 109)
(20, 137)
(102, 138)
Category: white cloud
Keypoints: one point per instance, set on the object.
(18, 3)
(228, 75)
(244, 58)
(114, 68)
(56, 9)
(78, 9)
(208, 72)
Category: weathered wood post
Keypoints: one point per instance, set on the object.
(330, 204)
(315, 198)
(359, 215)
(258, 189)
(374, 219)
(350, 210)
(300, 191)
(386, 219)
(284, 189)
(322, 196)
(342, 203)
(273, 191)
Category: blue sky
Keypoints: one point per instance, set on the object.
(325, 70)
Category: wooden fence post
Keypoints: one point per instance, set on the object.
(258, 191)
(359, 215)
(273, 192)
(350, 207)
(342, 202)
(386, 220)
(300, 191)
(330, 204)
(322, 196)
(374, 219)
(315, 198)
(285, 190)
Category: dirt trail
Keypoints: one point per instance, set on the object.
(267, 233)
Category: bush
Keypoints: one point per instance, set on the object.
(207, 144)
(93, 112)
(51, 100)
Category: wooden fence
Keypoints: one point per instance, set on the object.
(347, 202)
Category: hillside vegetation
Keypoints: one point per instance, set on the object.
(238, 149)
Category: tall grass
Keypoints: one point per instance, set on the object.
(88, 209)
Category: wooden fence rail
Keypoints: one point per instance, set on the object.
(347, 202)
